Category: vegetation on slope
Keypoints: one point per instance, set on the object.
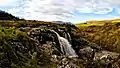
(107, 35)
(12, 47)
(97, 23)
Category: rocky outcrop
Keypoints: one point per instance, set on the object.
(63, 62)
(100, 59)
(107, 59)
(38, 47)
(86, 53)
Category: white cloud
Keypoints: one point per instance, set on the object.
(5, 2)
(61, 9)
(15, 7)
(66, 8)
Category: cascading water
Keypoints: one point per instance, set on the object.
(67, 36)
(65, 46)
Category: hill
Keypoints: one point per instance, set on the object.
(97, 22)
(6, 16)
(105, 35)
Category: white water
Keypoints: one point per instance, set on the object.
(67, 36)
(65, 46)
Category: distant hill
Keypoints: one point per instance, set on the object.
(97, 22)
(103, 21)
(61, 22)
(6, 16)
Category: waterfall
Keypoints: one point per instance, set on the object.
(67, 36)
(65, 46)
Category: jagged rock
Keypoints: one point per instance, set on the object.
(63, 62)
(95, 47)
(107, 59)
(86, 53)
(111, 56)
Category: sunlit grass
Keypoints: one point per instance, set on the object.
(89, 24)
(97, 23)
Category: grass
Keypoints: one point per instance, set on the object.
(89, 24)
(97, 23)
(107, 35)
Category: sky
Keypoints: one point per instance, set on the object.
(74, 11)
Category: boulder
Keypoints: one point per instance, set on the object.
(86, 53)
(106, 59)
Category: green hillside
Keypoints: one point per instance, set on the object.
(105, 33)
(97, 23)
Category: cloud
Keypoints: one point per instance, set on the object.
(5, 2)
(67, 8)
(61, 9)
(15, 7)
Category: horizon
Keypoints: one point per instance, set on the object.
(63, 10)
